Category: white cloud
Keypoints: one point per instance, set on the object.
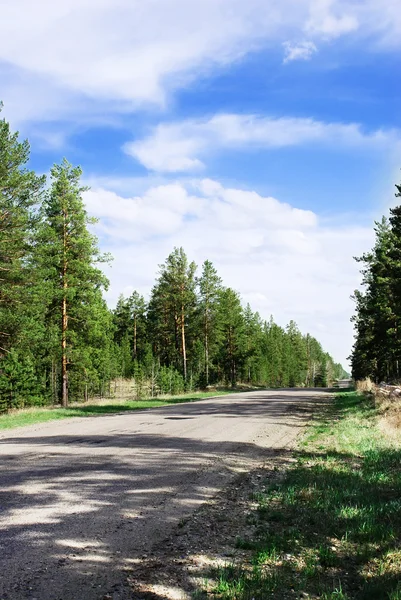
(298, 51)
(119, 54)
(181, 146)
(332, 19)
(281, 259)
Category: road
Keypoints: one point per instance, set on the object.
(83, 500)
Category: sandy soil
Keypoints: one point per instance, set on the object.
(119, 507)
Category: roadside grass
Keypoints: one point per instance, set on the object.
(30, 416)
(332, 528)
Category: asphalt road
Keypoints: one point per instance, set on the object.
(83, 500)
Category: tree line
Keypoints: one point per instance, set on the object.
(60, 342)
(377, 320)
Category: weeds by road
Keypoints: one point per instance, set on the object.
(332, 528)
(30, 416)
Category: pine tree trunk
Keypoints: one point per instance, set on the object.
(152, 381)
(231, 356)
(206, 351)
(184, 350)
(135, 337)
(64, 372)
(54, 383)
(64, 326)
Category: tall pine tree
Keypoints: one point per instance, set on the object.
(210, 287)
(67, 253)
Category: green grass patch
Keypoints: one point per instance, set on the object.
(30, 416)
(332, 528)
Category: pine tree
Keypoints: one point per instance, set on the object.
(172, 308)
(232, 328)
(253, 345)
(20, 191)
(316, 362)
(375, 321)
(273, 352)
(210, 286)
(123, 336)
(297, 355)
(67, 252)
(137, 309)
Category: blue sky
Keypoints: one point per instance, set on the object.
(263, 135)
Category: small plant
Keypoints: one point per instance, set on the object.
(336, 594)
(327, 557)
(395, 594)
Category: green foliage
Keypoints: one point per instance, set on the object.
(170, 381)
(172, 309)
(209, 290)
(20, 190)
(377, 320)
(65, 257)
(231, 324)
(18, 383)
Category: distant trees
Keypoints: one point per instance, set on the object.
(377, 319)
(223, 341)
(60, 342)
(171, 308)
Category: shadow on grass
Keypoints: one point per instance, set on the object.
(53, 413)
(332, 529)
(102, 409)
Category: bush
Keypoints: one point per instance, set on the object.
(170, 381)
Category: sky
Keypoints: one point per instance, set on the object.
(262, 135)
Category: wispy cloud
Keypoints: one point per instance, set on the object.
(87, 52)
(331, 19)
(298, 51)
(182, 146)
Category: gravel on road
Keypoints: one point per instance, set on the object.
(84, 501)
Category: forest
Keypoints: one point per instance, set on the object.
(59, 341)
(377, 320)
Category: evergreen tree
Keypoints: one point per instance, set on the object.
(137, 308)
(172, 308)
(315, 362)
(123, 336)
(67, 252)
(20, 191)
(253, 345)
(232, 330)
(375, 321)
(273, 353)
(210, 286)
(297, 356)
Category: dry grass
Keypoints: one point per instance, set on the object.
(389, 410)
(388, 405)
(365, 386)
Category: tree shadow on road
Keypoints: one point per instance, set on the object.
(75, 508)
